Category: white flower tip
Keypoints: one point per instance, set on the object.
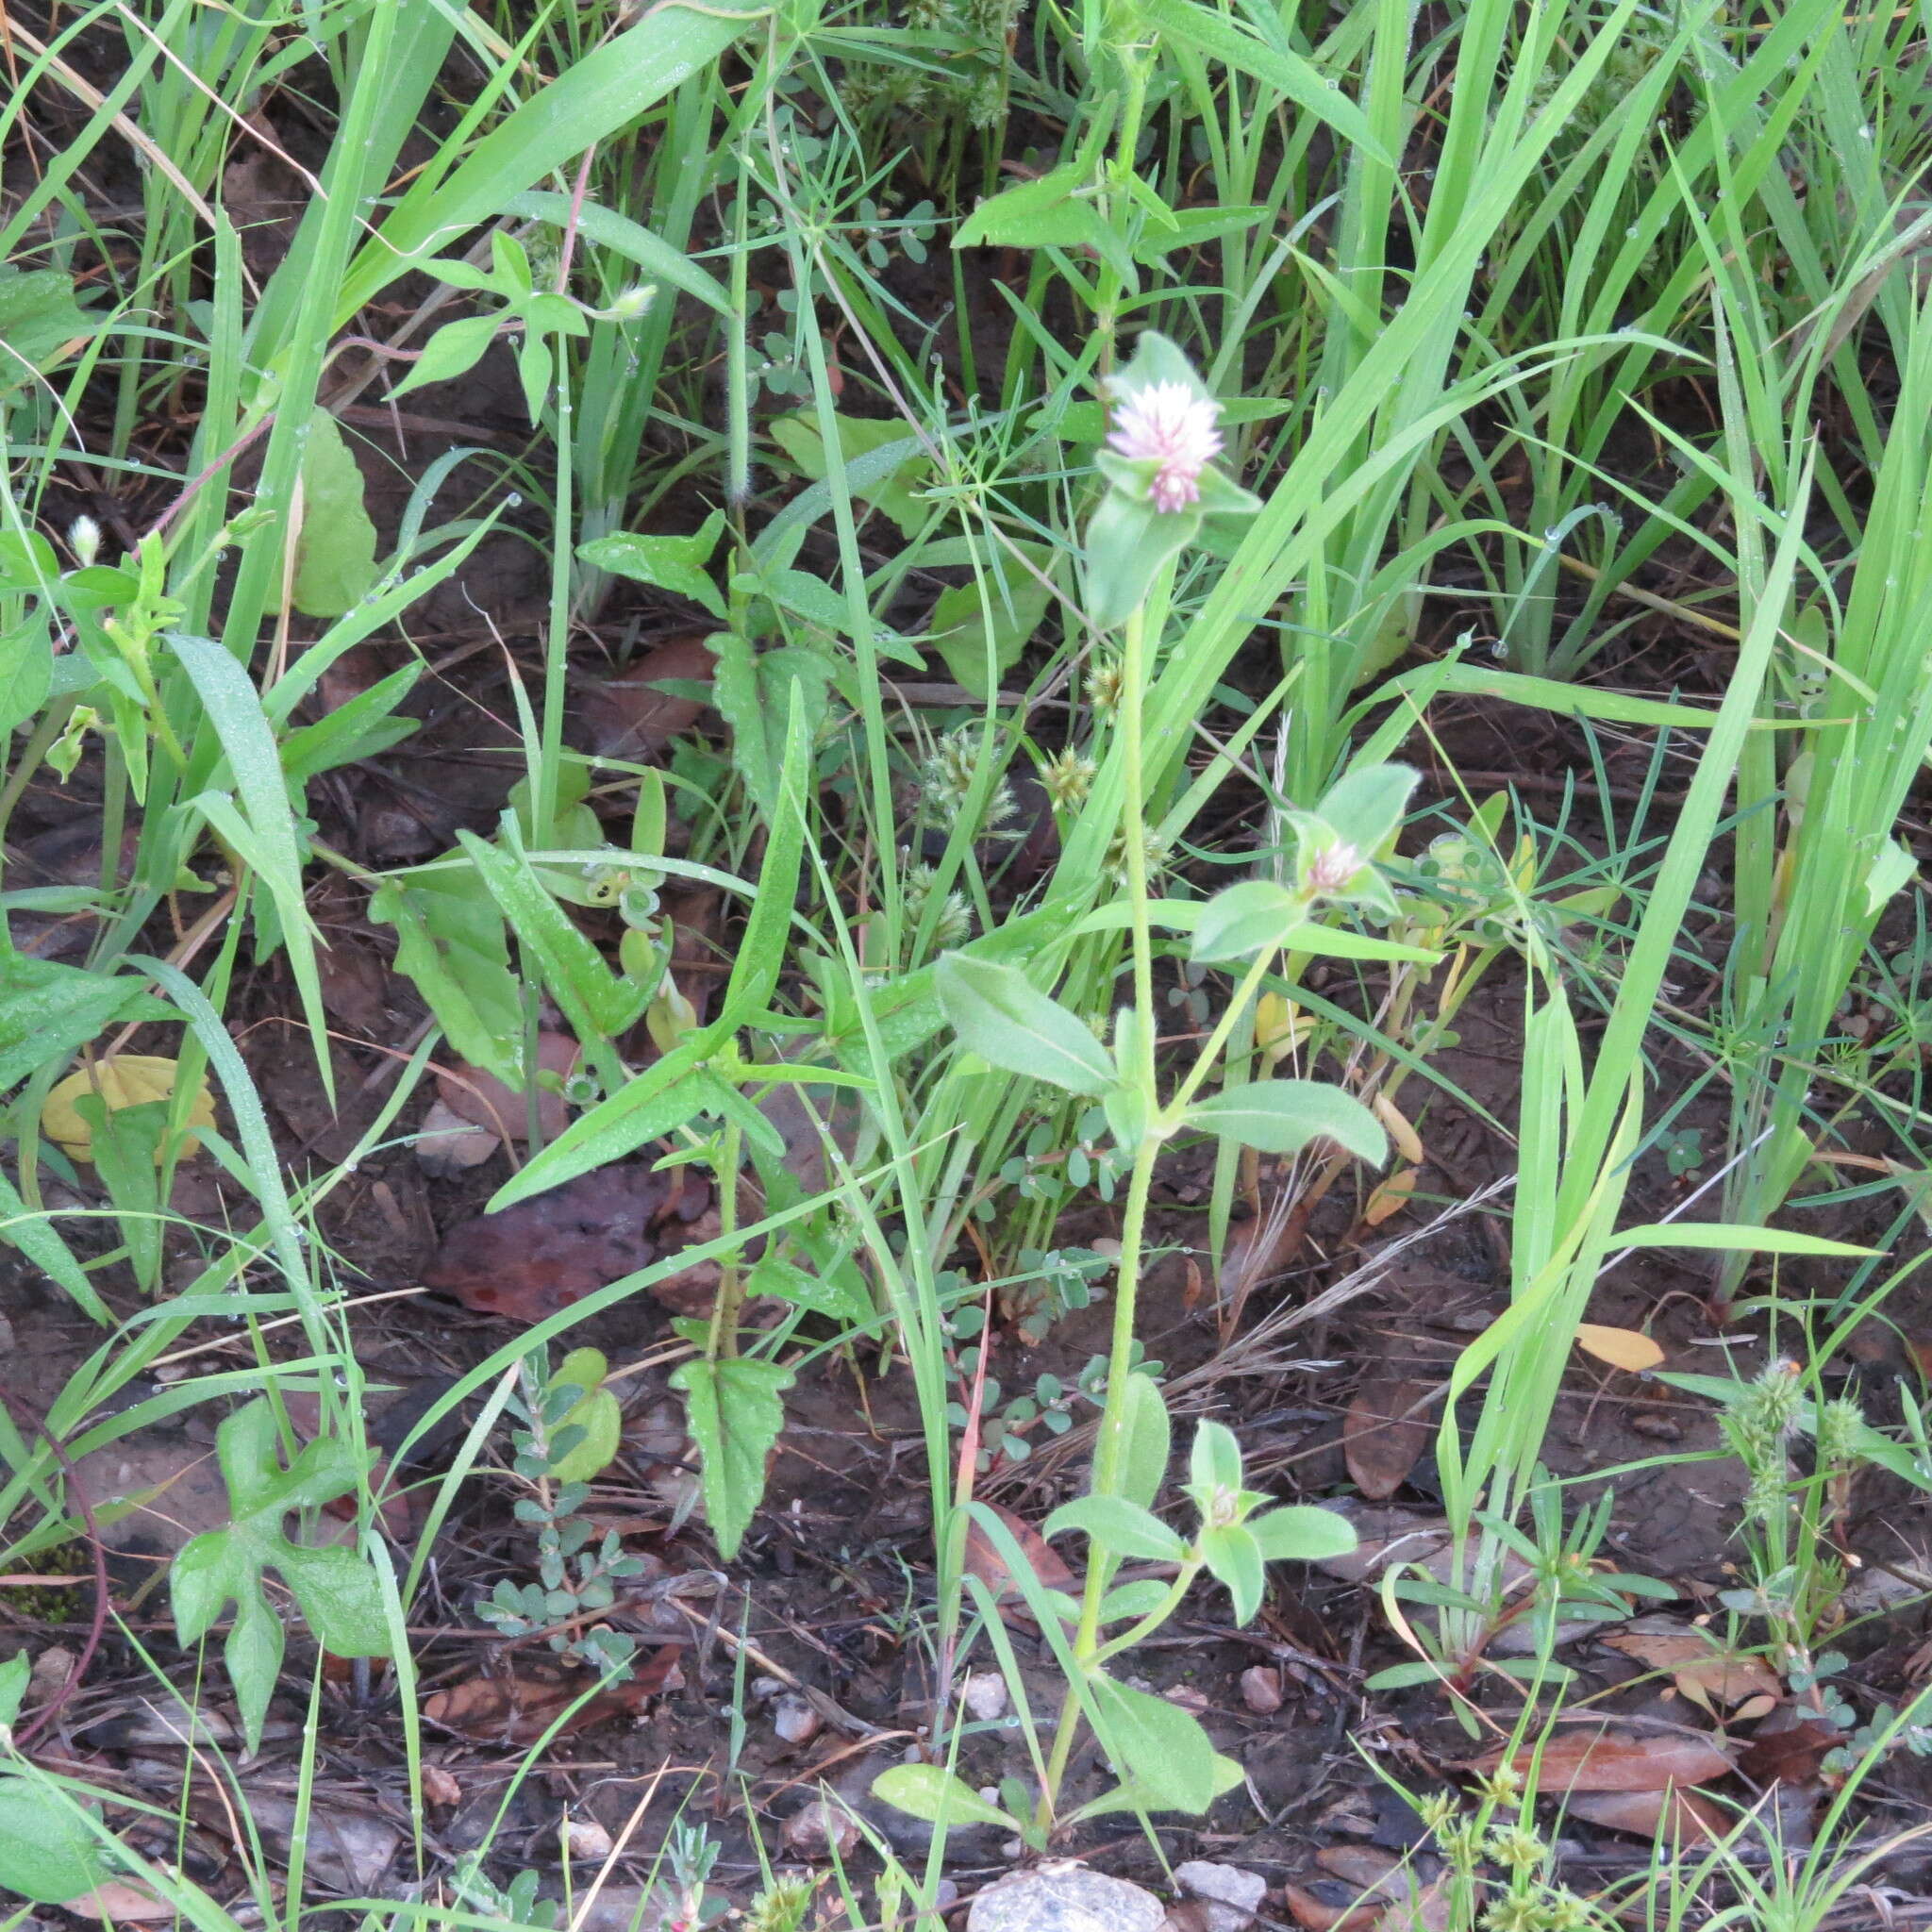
(1169, 423)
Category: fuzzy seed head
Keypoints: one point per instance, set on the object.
(1168, 422)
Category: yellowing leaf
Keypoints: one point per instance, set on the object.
(1390, 1197)
(595, 1411)
(124, 1079)
(1408, 1142)
(1622, 1348)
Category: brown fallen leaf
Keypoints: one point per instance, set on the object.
(1702, 1669)
(628, 716)
(1368, 1868)
(485, 1101)
(520, 1705)
(355, 986)
(448, 1146)
(1427, 1910)
(1678, 1817)
(1601, 1758)
(1380, 1438)
(120, 1901)
(1789, 1752)
(1317, 1915)
(553, 1249)
(984, 1561)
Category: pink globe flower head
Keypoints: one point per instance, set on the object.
(1170, 424)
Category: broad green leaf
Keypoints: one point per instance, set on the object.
(761, 950)
(931, 1793)
(1135, 1794)
(341, 1597)
(450, 941)
(894, 493)
(1298, 1534)
(1238, 922)
(735, 1417)
(1146, 1440)
(227, 1565)
(334, 550)
(596, 1002)
(1283, 1116)
(1366, 804)
(595, 1411)
(1126, 545)
(1122, 1527)
(15, 1674)
(1139, 1599)
(1009, 1023)
(1056, 211)
(1161, 1748)
(842, 1300)
(454, 350)
(47, 1010)
(1234, 1558)
(667, 563)
(46, 1853)
(1215, 1461)
(964, 631)
(38, 320)
(26, 671)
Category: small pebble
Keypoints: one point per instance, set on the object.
(795, 1719)
(1261, 1689)
(819, 1829)
(983, 1695)
(587, 1839)
(1231, 1895)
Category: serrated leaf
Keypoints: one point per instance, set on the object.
(1283, 1116)
(227, 1565)
(40, 322)
(1009, 1023)
(842, 1300)
(735, 1417)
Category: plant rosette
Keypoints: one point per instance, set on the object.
(1162, 478)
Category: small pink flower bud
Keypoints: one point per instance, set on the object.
(1332, 869)
(1169, 422)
